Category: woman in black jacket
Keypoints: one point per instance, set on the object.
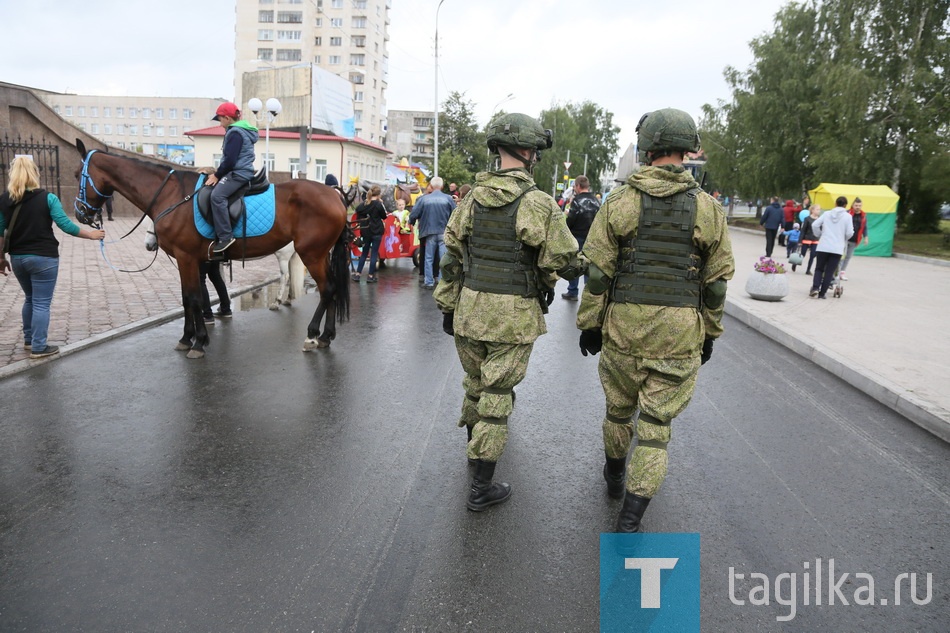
(809, 241)
(370, 215)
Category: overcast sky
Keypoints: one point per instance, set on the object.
(628, 56)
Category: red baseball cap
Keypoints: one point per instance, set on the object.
(227, 109)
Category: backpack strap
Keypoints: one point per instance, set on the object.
(9, 234)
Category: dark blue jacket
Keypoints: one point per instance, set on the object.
(432, 211)
(773, 216)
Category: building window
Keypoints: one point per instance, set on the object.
(146, 113)
(120, 129)
(69, 110)
(81, 111)
(316, 59)
(160, 130)
(336, 23)
(336, 4)
(359, 41)
(216, 160)
(265, 16)
(357, 78)
(186, 114)
(265, 54)
(267, 1)
(321, 168)
(358, 116)
(288, 36)
(133, 130)
(93, 111)
(359, 22)
(82, 126)
(336, 41)
(318, 41)
(56, 109)
(95, 128)
(120, 112)
(335, 60)
(290, 17)
(107, 113)
(294, 164)
(358, 60)
(146, 130)
(133, 113)
(319, 22)
(268, 161)
(265, 35)
(159, 113)
(358, 95)
(172, 113)
(173, 130)
(288, 55)
(359, 4)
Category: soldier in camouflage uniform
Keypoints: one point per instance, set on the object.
(505, 243)
(660, 257)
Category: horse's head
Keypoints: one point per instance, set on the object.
(89, 202)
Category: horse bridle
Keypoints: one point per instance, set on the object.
(88, 214)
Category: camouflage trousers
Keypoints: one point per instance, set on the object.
(661, 390)
(492, 370)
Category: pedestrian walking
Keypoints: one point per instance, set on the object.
(505, 245)
(771, 219)
(29, 211)
(809, 239)
(584, 206)
(211, 270)
(859, 220)
(432, 212)
(660, 257)
(370, 216)
(833, 229)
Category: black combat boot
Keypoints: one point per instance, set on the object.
(613, 475)
(630, 514)
(484, 493)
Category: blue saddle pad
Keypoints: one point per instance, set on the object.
(260, 214)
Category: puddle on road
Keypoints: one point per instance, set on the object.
(264, 296)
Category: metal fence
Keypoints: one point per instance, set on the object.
(44, 154)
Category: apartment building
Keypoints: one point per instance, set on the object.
(410, 134)
(346, 37)
(155, 126)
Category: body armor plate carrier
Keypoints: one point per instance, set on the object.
(660, 265)
(496, 261)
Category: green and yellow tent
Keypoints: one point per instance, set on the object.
(880, 205)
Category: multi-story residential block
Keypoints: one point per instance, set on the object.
(410, 134)
(346, 37)
(155, 126)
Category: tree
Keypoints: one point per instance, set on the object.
(583, 129)
(840, 91)
(461, 143)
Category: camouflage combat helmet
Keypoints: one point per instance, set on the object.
(518, 130)
(666, 130)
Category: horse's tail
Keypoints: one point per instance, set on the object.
(340, 273)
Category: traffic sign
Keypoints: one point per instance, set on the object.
(567, 164)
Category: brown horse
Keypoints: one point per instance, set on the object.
(309, 214)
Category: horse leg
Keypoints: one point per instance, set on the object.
(297, 272)
(195, 336)
(283, 259)
(318, 269)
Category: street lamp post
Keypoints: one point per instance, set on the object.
(273, 109)
(436, 109)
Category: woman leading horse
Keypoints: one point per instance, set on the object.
(309, 214)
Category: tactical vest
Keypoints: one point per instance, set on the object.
(496, 260)
(660, 265)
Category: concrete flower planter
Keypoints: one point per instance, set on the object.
(767, 286)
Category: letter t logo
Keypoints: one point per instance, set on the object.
(649, 578)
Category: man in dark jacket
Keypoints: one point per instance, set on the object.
(772, 219)
(432, 212)
(584, 207)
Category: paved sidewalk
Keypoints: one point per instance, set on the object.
(94, 302)
(887, 335)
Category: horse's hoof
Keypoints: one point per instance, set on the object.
(195, 353)
(309, 345)
(273, 306)
(323, 343)
(286, 303)
(181, 347)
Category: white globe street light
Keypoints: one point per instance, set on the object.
(273, 109)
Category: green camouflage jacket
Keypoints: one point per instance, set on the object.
(650, 331)
(501, 318)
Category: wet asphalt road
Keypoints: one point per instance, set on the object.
(265, 489)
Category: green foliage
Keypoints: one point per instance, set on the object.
(462, 147)
(840, 91)
(582, 128)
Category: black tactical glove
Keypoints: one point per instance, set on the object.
(706, 354)
(448, 323)
(591, 341)
(549, 296)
